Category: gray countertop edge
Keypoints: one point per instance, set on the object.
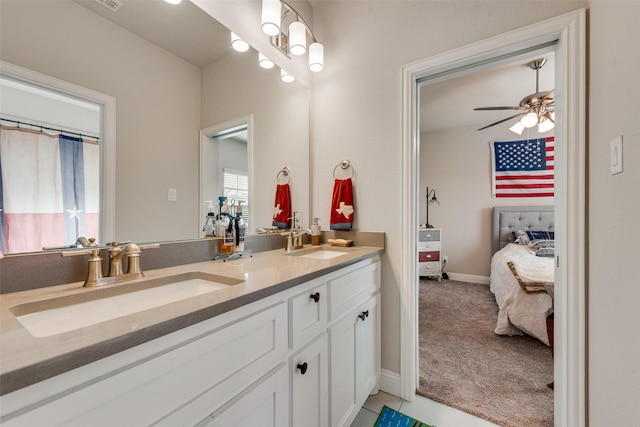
(50, 367)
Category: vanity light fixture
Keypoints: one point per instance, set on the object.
(238, 44)
(173, 1)
(292, 41)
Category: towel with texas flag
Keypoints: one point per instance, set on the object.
(342, 205)
(282, 207)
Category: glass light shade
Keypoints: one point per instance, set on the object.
(238, 44)
(529, 120)
(286, 77)
(517, 128)
(173, 1)
(297, 38)
(271, 17)
(264, 62)
(316, 57)
(545, 126)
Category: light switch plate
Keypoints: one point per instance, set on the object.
(615, 151)
(173, 194)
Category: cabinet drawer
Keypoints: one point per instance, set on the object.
(308, 315)
(177, 386)
(427, 268)
(428, 246)
(428, 256)
(348, 291)
(428, 235)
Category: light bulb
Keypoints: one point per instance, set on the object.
(271, 17)
(238, 44)
(517, 128)
(286, 77)
(264, 62)
(297, 38)
(316, 57)
(529, 120)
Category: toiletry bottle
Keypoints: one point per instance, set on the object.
(315, 232)
(210, 221)
(240, 228)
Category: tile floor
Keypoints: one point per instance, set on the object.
(421, 408)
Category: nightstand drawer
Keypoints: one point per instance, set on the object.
(428, 246)
(428, 268)
(428, 235)
(428, 256)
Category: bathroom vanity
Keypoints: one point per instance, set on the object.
(285, 339)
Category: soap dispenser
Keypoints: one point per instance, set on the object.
(315, 232)
(210, 220)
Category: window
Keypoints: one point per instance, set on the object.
(236, 187)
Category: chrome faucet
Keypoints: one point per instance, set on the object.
(116, 271)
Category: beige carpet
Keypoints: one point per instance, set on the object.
(464, 364)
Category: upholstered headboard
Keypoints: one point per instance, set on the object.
(506, 219)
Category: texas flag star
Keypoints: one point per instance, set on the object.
(74, 213)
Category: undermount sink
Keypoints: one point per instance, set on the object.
(317, 253)
(63, 314)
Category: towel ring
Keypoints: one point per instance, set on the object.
(344, 164)
(284, 172)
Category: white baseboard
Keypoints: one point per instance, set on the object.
(470, 278)
(390, 382)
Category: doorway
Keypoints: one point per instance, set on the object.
(569, 32)
(461, 361)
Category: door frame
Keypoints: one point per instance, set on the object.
(568, 32)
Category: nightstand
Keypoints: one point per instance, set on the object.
(429, 252)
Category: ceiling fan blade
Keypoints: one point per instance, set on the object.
(504, 120)
(497, 108)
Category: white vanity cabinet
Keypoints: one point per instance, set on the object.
(304, 357)
(354, 341)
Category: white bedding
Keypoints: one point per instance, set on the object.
(520, 312)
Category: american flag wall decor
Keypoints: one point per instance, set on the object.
(522, 168)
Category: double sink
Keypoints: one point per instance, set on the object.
(62, 314)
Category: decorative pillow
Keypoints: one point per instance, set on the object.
(520, 237)
(538, 235)
(542, 244)
(543, 248)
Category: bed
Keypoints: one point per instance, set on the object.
(521, 282)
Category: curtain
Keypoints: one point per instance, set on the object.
(46, 191)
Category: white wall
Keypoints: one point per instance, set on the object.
(457, 163)
(153, 88)
(614, 203)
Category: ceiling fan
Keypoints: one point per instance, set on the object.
(535, 109)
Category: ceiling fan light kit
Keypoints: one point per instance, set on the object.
(535, 109)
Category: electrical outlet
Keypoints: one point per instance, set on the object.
(445, 258)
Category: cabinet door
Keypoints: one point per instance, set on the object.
(354, 360)
(342, 345)
(264, 404)
(310, 385)
(367, 350)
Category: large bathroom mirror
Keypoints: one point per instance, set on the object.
(170, 82)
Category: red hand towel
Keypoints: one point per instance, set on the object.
(342, 205)
(282, 207)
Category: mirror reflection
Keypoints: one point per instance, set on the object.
(163, 103)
